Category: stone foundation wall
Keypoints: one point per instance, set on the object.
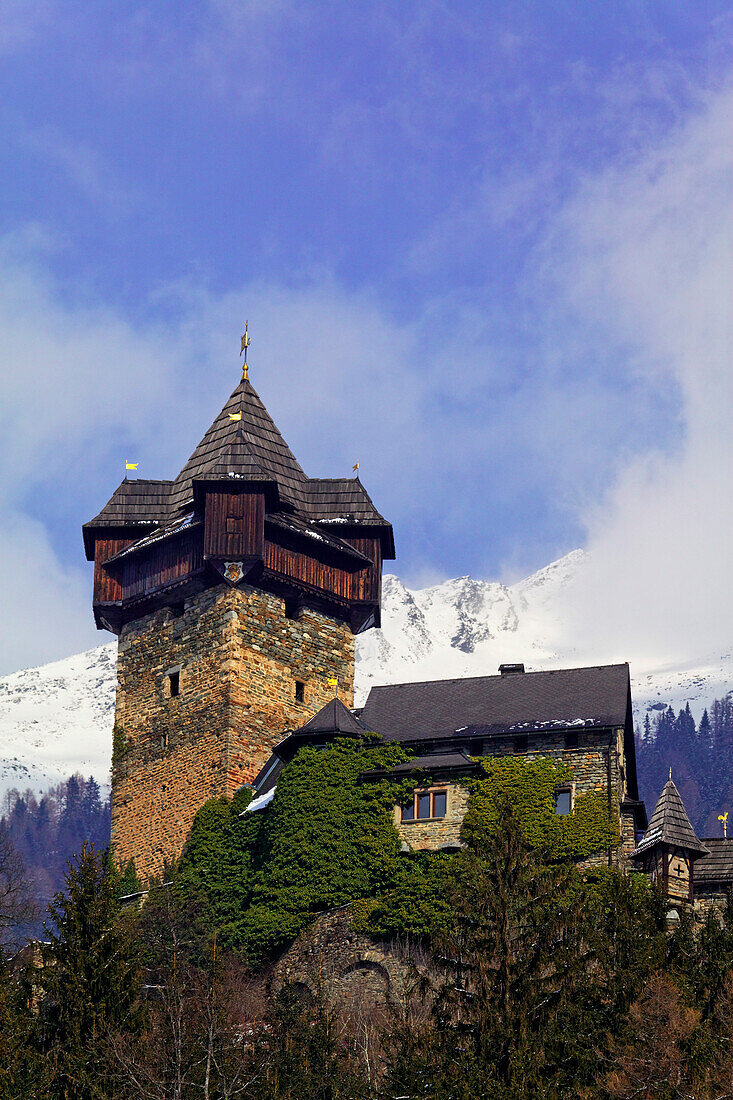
(238, 657)
(346, 967)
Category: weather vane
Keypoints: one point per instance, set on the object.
(724, 819)
(246, 341)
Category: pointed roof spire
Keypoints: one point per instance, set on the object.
(243, 442)
(670, 825)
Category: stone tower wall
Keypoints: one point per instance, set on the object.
(238, 657)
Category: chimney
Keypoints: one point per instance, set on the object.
(510, 670)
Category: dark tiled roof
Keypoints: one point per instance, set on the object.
(254, 440)
(670, 825)
(268, 775)
(519, 702)
(341, 499)
(333, 718)
(718, 866)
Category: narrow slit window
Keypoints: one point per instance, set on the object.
(299, 691)
(174, 684)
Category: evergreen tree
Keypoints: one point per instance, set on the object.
(89, 977)
(506, 1019)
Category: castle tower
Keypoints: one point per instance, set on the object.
(670, 847)
(235, 591)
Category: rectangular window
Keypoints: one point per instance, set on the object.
(174, 684)
(235, 525)
(571, 740)
(521, 743)
(299, 691)
(425, 805)
(563, 802)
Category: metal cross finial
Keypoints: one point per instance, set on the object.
(670, 773)
(246, 341)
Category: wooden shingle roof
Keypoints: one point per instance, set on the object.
(139, 503)
(341, 500)
(717, 867)
(249, 449)
(253, 441)
(670, 825)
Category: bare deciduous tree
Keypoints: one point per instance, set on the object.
(16, 906)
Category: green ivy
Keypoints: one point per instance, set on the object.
(119, 743)
(529, 787)
(329, 839)
(326, 840)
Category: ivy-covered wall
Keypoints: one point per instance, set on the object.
(529, 786)
(328, 839)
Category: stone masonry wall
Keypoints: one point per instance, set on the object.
(238, 657)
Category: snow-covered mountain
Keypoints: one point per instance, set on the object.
(57, 719)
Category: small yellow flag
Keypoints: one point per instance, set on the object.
(356, 467)
(235, 416)
(131, 465)
(332, 683)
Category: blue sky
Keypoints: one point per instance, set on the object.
(472, 241)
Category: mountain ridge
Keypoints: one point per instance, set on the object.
(57, 718)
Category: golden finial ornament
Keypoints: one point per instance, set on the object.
(723, 818)
(246, 341)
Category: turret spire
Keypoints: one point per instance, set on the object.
(246, 341)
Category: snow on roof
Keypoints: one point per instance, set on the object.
(260, 803)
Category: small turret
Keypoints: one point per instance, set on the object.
(670, 847)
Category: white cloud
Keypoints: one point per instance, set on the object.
(45, 607)
(444, 424)
(644, 253)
